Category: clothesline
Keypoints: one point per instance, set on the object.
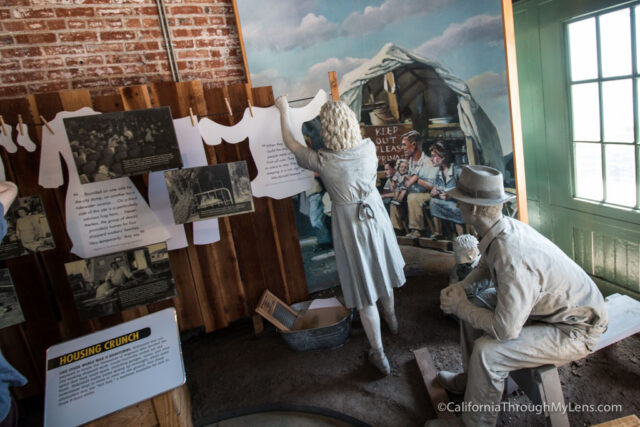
(200, 115)
(240, 111)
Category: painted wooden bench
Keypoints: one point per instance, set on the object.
(542, 384)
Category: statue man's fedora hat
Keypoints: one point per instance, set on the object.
(480, 185)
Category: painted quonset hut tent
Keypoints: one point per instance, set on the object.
(424, 89)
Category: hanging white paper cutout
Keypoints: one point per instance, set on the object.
(279, 175)
(193, 155)
(6, 140)
(25, 141)
(160, 205)
(102, 217)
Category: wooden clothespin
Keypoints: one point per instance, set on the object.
(4, 128)
(226, 101)
(46, 124)
(20, 124)
(250, 106)
(193, 120)
(247, 91)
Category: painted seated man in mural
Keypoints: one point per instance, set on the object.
(421, 180)
(547, 309)
(443, 206)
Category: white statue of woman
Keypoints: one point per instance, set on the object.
(368, 258)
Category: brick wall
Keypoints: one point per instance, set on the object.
(49, 45)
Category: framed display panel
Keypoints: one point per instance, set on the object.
(123, 143)
(116, 282)
(28, 229)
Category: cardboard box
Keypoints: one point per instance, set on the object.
(320, 317)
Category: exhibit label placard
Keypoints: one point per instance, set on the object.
(100, 373)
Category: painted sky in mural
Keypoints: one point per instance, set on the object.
(292, 47)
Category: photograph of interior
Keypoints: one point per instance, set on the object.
(449, 233)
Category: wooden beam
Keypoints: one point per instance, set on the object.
(211, 277)
(514, 106)
(245, 64)
(71, 326)
(173, 408)
(438, 395)
(140, 415)
(259, 227)
(283, 223)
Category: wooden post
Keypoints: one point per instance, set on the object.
(391, 95)
(514, 106)
(169, 409)
(285, 231)
(28, 271)
(437, 394)
(48, 105)
(333, 84)
(221, 288)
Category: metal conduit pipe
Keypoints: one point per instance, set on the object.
(168, 43)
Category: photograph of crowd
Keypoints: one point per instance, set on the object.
(209, 191)
(27, 229)
(107, 146)
(10, 310)
(112, 283)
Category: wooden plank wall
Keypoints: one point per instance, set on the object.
(217, 283)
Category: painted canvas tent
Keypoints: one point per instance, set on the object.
(423, 89)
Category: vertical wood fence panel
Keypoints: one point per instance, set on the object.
(216, 283)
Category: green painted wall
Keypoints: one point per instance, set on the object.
(603, 240)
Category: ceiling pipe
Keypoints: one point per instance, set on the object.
(168, 43)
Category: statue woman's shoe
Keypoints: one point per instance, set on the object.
(380, 361)
(453, 382)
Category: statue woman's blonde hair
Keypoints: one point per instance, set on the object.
(339, 125)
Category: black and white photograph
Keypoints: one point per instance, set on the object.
(209, 191)
(10, 310)
(116, 282)
(27, 229)
(107, 146)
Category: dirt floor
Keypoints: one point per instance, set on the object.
(232, 371)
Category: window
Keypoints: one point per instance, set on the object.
(604, 89)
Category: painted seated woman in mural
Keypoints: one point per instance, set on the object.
(442, 206)
(368, 258)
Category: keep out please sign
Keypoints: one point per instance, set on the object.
(388, 140)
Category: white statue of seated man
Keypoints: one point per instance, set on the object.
(546, 309)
